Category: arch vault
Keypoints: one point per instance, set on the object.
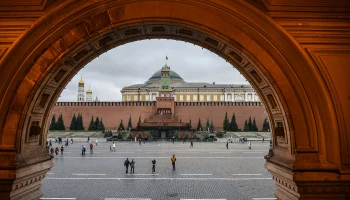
(294, 53)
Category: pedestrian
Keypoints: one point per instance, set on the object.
(132, 166)
(249, 145)
(227, 145)
(62, 149)
(91, 148)
(191, 143)
(113, 146)
(153, 165)
(126, 164)
(173, 160)
(183, 142)
(263, 140)
(96, 141)
(88, 139)
(56, 151)
(140, 142)
(71, 140)
(50, 143)
(84, 149)
(51, 151)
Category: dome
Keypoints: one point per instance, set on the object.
(88, 91)
(174, 77)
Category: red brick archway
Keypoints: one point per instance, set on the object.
(65, 37)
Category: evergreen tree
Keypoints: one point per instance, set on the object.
(186, 135)
(121, 126)
(199, 126)
(60, 123)
(245, 126)
(100, 126)
(254, 127)
(212, 126)
(80, 124)
(250, 124)
(207, 126)
(53, 123)
(92, 124)
(73, 123)
(138, 123)
(226, 123)
(97, 121)
(233, 124)
(129, 123)
(266, 125)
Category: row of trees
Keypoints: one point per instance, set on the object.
(209, 126)
(76, 123)
(57, 125)
(96, 125)
(230, 126)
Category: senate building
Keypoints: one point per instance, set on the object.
(183, 91)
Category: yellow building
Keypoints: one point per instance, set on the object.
(190, 91)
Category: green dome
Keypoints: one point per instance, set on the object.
(173, 77)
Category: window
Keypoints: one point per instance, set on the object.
(154, 96)
(128, 97)
(215, 97)
(135, 97)
(188, 98)
(175, 97)
(194, 97)
(229, 97)
(201, 98)
(181, 97)
(147, 97)
(222, 97)
(208, 97)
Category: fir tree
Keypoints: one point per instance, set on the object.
(212, 126)
(226, 123)
(92, 124)
(80, 124)
(250, 124)
(60, 123)
(73, 123)
(254, 127)
(129, 123)
(233, 124)
(266, 125)
(199, 126)
(100, 126)
(97, 121)
(207, 125)
(139, 122)
(53, 123)
(121, 126)
(245, 126)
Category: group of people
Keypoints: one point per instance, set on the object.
(131, 163)
(56, 150)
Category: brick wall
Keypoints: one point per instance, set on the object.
(113, 112)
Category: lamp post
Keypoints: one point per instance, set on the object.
(138, 94)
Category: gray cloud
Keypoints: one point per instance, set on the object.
(134, 63)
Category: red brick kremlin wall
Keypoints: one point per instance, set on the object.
(113, 112)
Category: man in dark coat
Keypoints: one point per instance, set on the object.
(126, 164)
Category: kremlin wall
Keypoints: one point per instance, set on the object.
(188, 100)
(113, 112)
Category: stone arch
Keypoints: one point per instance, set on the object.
(71, 34)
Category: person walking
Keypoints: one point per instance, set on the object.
(132, 166)
(83, 149)
(62, 149)
(71, 140)
(50, 143)
(91, 148)
(113, 146)
(227, 145)
(52, 151)
(126, 164)
(173, 160)
(191, 144)
(56, 151)
(153, 165)
(96, 141)
(88, 139)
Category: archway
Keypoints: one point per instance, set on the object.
(70, 35)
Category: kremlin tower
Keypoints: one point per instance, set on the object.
(81, 95)
(89, 95)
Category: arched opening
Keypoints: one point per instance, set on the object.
(72, 34)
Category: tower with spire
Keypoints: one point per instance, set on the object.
(81, 95)
(165, 100)
(89, 95)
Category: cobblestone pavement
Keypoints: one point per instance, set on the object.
(206, 171)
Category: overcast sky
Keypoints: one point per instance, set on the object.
(135, 62)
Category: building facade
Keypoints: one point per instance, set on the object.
(183, 91)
